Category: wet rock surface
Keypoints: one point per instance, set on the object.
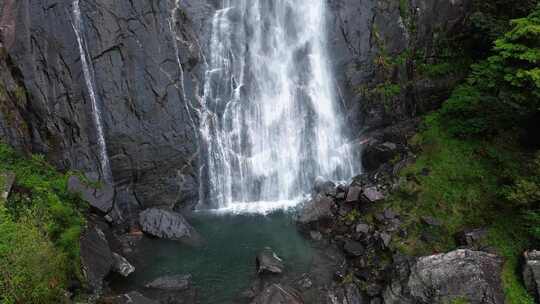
(269, 263)
(96, 257)
(121, 265)
(99, 196)
(166, 224)
(318, 209)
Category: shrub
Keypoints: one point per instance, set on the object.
(32, 269)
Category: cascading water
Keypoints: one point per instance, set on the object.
(270, 122)
(88, 73)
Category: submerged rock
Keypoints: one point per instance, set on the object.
(173, 282)
(165, 224)
(133, 297)
(100, 197)
(531, 273)
(121, 265)
(96, 257)
(320, 208)
(269, 263)
(472, 276)
(278, 294)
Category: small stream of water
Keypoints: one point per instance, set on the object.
(88, 73)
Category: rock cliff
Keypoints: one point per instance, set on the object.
(148, 59)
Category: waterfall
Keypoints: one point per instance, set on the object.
(88, 73)
(271, 123)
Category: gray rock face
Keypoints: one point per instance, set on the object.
(101, 197)
(531, 273)
(145, 57)
(278, 294)
(472, 276)
(121, 265)
(148, 59)
(320, 208)
(96, 257)
(165, 224)
(174, 283)
(269, 263)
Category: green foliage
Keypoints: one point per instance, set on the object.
(458, 190)
(525, 190)
(32, 269)
(42, 222)
(503, 89)
(508, 236)
(458, 181)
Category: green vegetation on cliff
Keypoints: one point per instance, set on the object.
(478, 161)
(40, 224)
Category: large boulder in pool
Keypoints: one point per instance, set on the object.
(471, 276)
(166, 224)
(268, 262)
(278, 294)
(318, 209)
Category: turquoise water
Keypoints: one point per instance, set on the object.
(224, 265)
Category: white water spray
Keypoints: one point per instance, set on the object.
(88, 72)
(270, 123)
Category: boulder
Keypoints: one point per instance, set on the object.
(278, 294)
(165, 224)
(354, 194)
(121, 265)
(171, 283)
(472, 276)
(363, 228)
(133, 297)
(346, 294)
(319, 208)
(96, 257)
(353, 248)
(7, 180)
(100, 197)
(269, 263)
(377, 153)
(323, 186)
(472, 238)
(372, 194)
(531, 273)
